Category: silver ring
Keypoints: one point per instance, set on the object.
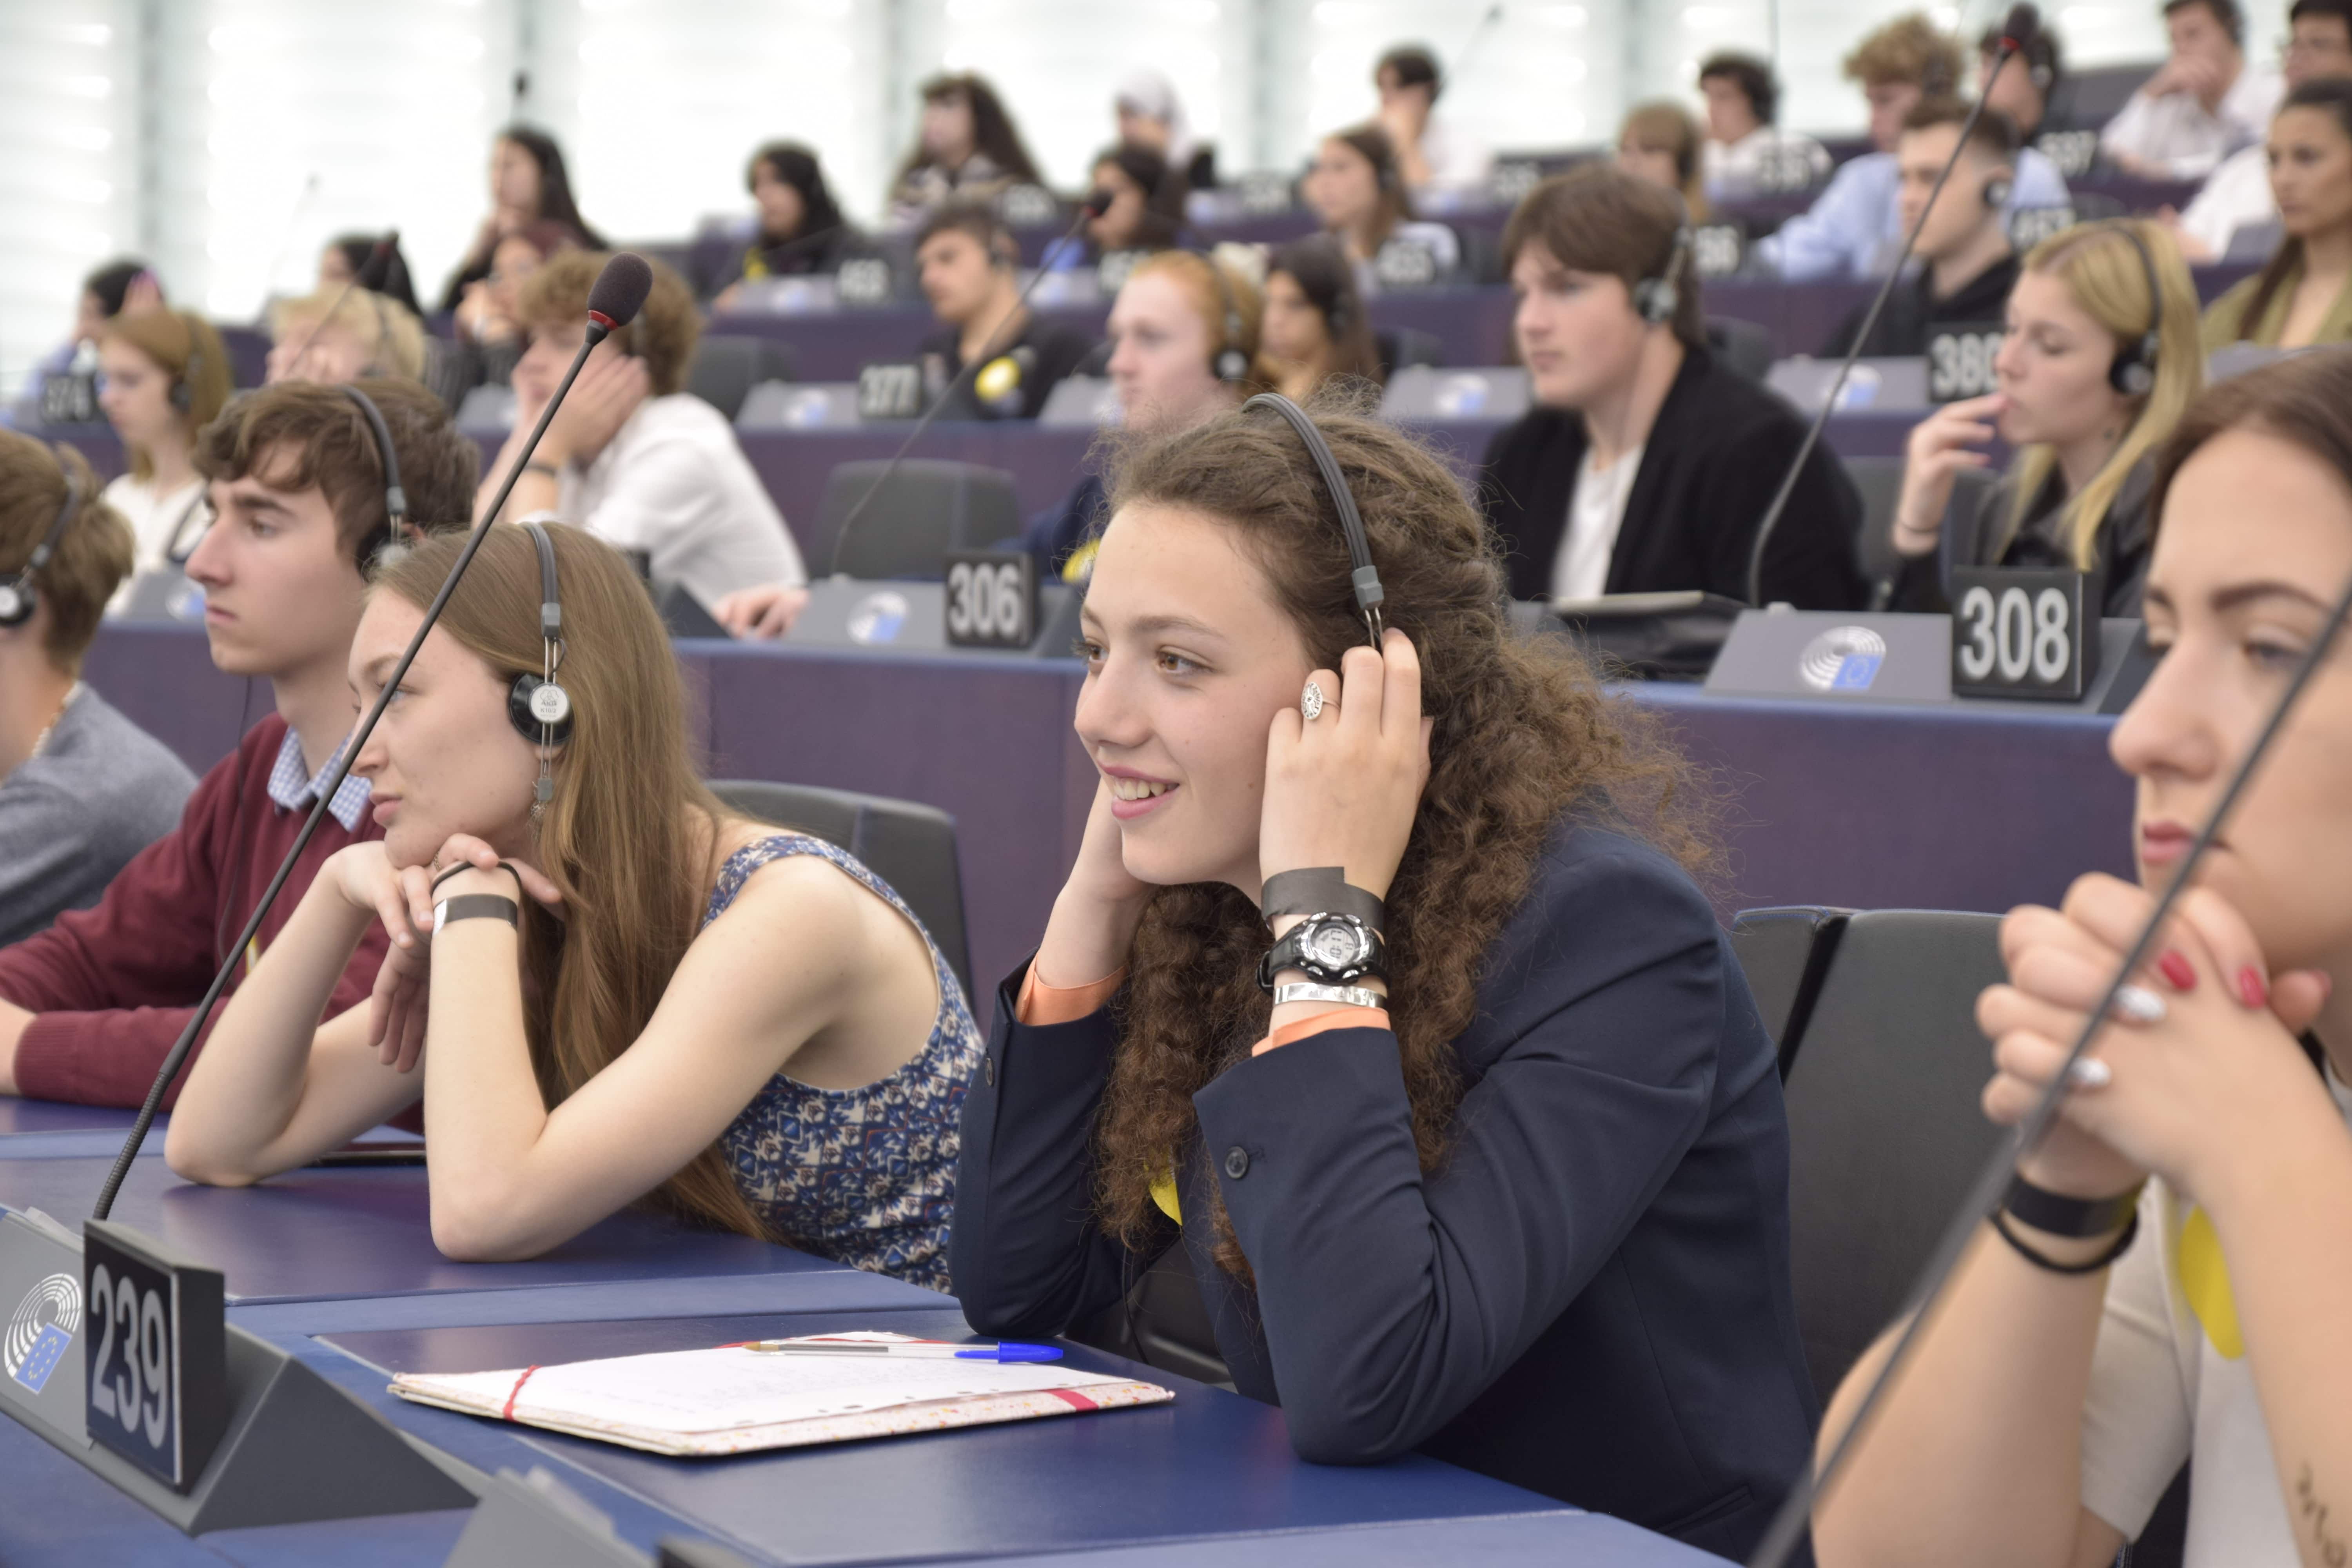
(1311, 702)
(2139, 1004)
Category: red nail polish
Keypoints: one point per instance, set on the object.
(2252, 989)
(2178, 970)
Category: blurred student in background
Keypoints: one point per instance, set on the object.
(346, 256)
(82, 789)
(2237, 193)
(2302, 295)
(801, 231)
(631, 456)
(89, 1006)
(2205, 102)
(340, 336)
(108, 291)
(2084, 404)
(967, 147)
(163, 375)
(968, 267)
(1746, 151)
(1647, 463)
(1434, 156)
(1660, 142)
(1964, 263)
(490, 337)
(1854, 228)
(2167, 1283)
(528, 183)
(1355, 187)
(1317, 329)
(1147, 202)
(1184, 348)
(1150, 114)
(2027, 85)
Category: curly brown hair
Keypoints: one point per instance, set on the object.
(1524, 733)
(555, 297)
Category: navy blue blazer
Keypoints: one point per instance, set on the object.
(1591, 1298)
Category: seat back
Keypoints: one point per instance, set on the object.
(1398, 348)
(1885, 1129)
(910, 846)
(929, 507)
(726, 368)
(1880, 482)
(1743, 346)
(1785, 954)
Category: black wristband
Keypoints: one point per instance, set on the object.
(2042, 1260)
(2055, 1214)
(470, 866)
(1319, 890)
(477, 907)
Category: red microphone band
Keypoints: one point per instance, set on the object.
(601, 319)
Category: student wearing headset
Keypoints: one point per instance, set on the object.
(616, 990)
(2206, 101)
(1184, 348)
(1965, 262)
(1647, 465)
(1305, 1059)
(968, 267)
(302, 497)
(1746, 151)
(1317, 329)
(1356, 188)
(2169, 1279)
(339, 336)
(163, 375)
(1660, 142)
(82, 789)
(2100, 360)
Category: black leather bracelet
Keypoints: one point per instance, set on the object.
(2058, 1215)
(470, 866)
(2043, 1261)
(475, 907)
(1319, 890)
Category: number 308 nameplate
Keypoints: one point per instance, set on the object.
(2020, 631)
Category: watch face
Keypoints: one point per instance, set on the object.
(1335, 945)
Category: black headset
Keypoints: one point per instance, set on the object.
(182, 394)
(2133, 370)
(18, 598)
(1363, 578)
(395, 530)
(538, 706)
(1658, 299)
(1230, 363)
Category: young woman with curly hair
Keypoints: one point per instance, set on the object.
(1524, 1208)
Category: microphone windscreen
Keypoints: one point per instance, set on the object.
(2020, 30)
(1098, 202)
(620, 290)
(378, 264)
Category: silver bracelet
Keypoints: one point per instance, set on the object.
(1347, 995)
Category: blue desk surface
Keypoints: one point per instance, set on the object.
(1211, 1465)
(364, 1231)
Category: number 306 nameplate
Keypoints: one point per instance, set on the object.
(2026, 632)
(155, 1347)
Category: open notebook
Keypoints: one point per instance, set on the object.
(732, 1400)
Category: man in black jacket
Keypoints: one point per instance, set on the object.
(1646, 465)
(1965, 264)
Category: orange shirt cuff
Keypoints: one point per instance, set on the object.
(1040, 1003)
(1336, 1018)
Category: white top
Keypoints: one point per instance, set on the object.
(673, 483)
(2176, 133)
(1457, 161)
(156, 517)
(2160, 1394)
(1766, 158)
(2235, 195)
(1596, 511)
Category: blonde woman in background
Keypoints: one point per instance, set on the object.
(163, 375)
(2083, 404)
(1660, 142)
(318, 339)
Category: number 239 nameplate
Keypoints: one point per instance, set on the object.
(154, 1343)
(2021, 631)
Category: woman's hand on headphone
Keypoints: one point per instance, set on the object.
(611, 387)
(1343, 789)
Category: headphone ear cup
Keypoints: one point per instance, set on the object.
(16, 602)
(1997, 191)
(2134, 371)
(539, 710)
(182, 397)
(1656, 299)
(1232, 365)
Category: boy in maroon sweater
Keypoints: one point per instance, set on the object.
(89, 1008)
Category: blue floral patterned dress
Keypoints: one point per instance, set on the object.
(866, 1176)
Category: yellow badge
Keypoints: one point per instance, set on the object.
(2205, 1282)
(999, 380)
(1081, 563)
(1163, 1192)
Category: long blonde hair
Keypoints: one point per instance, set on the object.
(628, 834)
(2103, 273)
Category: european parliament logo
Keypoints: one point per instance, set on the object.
(41, 1329)
(1842, 658)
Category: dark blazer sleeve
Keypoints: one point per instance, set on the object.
(1810, 560)
(1025, 1254)
(1390, 1299)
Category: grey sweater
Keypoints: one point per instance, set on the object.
(100, 791)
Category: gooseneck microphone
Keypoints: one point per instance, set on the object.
(371, 276)
(613, 303)
(2023, 24)
(1098, 203)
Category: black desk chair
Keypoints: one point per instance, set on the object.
(1398, 347)
(726, 368)
(1743, 346)
(1785, 953)
(1885, 1130)
(929, 507)
(909, 846)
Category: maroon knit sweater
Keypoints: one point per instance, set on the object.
(115, 984)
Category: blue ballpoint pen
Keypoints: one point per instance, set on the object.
(922, 1350)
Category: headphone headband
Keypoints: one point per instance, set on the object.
(2133, 370)
(1364, 579)
(18, 598)
(539, 708)
(396, 500)
(1231, 361)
